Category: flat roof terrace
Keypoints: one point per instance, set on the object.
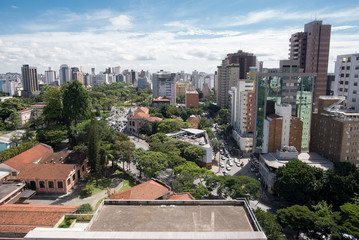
(173, 216)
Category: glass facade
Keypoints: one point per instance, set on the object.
(289, 87)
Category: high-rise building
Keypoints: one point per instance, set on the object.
(29, 80)
(235, 66)
(134, 78)
(335, 131)
(72, 73)
(164, 85)
(347, 79)
(64, 74)
(288, 84)
(181, 88)
(192, 98)
(311, 49)
(50, 76)
(79, 76)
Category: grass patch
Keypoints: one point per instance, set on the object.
(4, 132)
(66, 223)
(91, 188)
(126, 184)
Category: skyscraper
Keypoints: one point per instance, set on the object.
(234, 67)
(64, 74)
(29, 80)
(50, 75)
(311, 48)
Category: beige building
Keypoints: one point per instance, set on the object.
(335, 131)
(181, 88)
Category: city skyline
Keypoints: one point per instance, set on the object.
(155, 35)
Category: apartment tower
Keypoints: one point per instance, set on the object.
(311, 48)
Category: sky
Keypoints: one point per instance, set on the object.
(163, 35)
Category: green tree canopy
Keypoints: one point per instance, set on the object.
(269, 225)
(172, 125)
(238, 187)
(299, 182)
(76, 102)
(193, 153)
(93, 150)
(152, 163)
(349, 219)
(53, 111)
(298, 218)
(52, 134)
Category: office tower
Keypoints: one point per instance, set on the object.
(335, 131)
(288, 84)
(311, 48)
(347, 79)
(164, 85)
(93, 71)
(64, 74)
(79, 76)
(29, 80)
(235, 66)
(50, 76)
(134, 78)
(330, 84)
(195, 79)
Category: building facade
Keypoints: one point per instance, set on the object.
(50, 76)
(311, 49)
(64, 73)
(335, 131)
(29, 80)
(192, 99)
(164, 85)
(288, 84)
(347, 79)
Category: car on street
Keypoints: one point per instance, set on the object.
(221, 151)
(225, 172)
(221, 164)
(228, 168)
(230, 163)
(223, 158)
(238, 164)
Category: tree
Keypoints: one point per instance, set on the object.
(152, 163)
(299, 182)
(85, 208)
(349, 219)
(298, 218)
(137, 154)
(223, 116)
(10, 106)
(124, 151)
(238, 187)
(216, 145)
(172, 125)
(324, 224)
(205, 123)
(342, 183)
(93, 150)
(106, 153)
(53, 111)
(193, 153)
(76, 102)
(145, 128)
(52, 134)
(269, 225)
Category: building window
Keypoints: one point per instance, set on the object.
(14, 174)
(356, 67)
(60, 185)
(354, 100)
(83, 168)
(354, 91)
(356, 75)
(343, 67)
(42, 184)
(355, 84)
(73, 177)
(347, 75)
(342, 75)
(348, 67)
(68, 181)
(51, 184)
(346, 82)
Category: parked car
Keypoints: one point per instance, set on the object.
(228, 168)
(230, 163)
(221, 164)
(225, 172)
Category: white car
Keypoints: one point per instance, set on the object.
(223, 157)
(235, 160)
(221, 164)
(228, 168)
(225, 172)
(230, 163)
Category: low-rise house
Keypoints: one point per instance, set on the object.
(9, 140)
(24, 116)
(158, 102)
(139, 115)
(194, 121)
(32, 155)
(58, 172)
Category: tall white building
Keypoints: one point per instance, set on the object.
(347, 79)
(50, 76)
(164, 85)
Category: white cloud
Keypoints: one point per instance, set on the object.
(121, 22)
(13, 6)
(338, 28)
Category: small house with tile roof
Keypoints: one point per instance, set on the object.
(194, 121)
(57, 172)
(24, 116)
(32, 155)
(140, 114)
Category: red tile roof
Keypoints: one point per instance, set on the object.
(22, 218)
(24, 110)
(149, 190)
(142, 109)
(29, 156)
(152, 119)
(180, 196)
(47, 171)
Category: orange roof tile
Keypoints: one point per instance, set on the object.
(47, 171)
(22, 218)
(194, 119)
(149, 190)
(29, 156)
(24, 110)
(140, 115)
(181, 196)
(142, 109)
(152, 119)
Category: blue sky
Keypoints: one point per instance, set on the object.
(169, 35)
